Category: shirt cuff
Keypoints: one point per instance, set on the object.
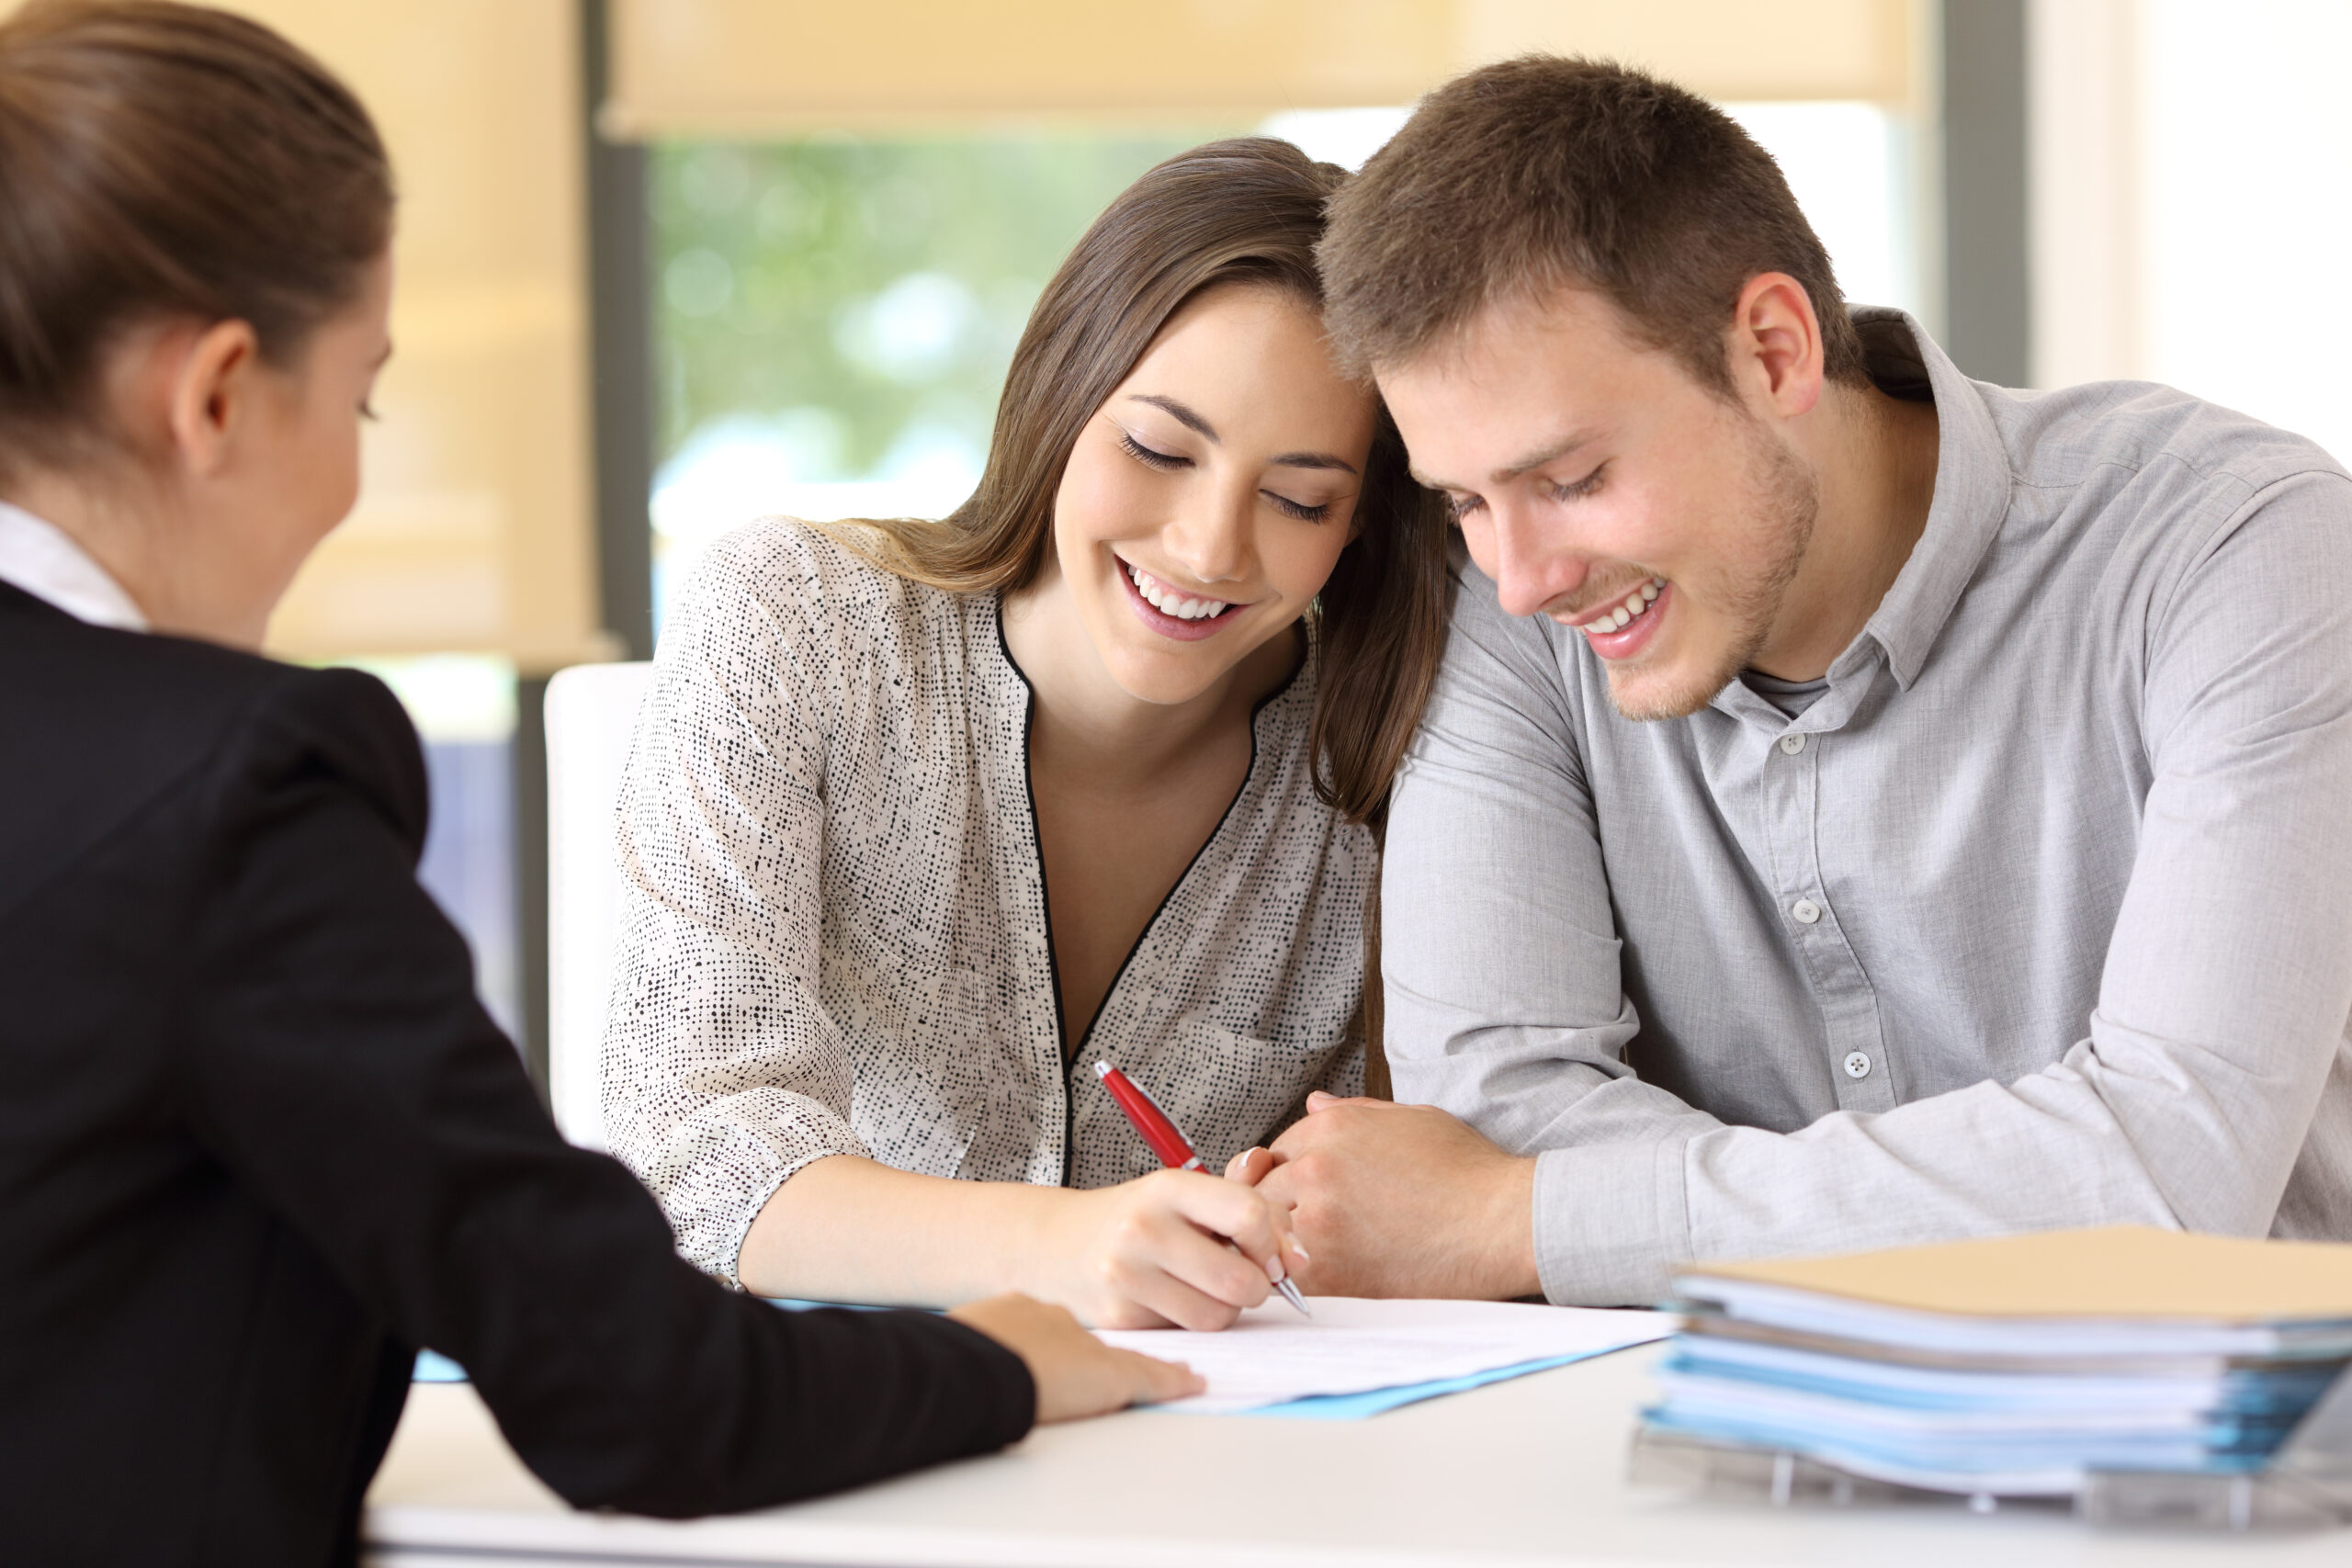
(1612, 1223)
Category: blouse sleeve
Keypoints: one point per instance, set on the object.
(722, 1072)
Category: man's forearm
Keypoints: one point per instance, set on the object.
(1613, 1220)
(1506, 1223)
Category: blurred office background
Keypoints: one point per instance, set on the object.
(667, 265)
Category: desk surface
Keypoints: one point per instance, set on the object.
(1520, 1472)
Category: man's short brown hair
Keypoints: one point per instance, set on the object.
(1542, 171)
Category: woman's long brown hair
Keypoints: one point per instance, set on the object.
(1249, 211)
(1245, 210)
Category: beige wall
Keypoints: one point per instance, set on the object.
(474, 530)
(755, 66)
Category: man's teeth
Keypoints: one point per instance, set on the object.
(1169, 602)
(1633, 604)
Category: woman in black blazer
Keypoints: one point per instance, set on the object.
(258, 1143)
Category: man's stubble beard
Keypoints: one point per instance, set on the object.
(1749, 590)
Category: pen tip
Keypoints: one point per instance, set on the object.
(1101, 1069)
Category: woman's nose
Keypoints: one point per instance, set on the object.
(1212, 537)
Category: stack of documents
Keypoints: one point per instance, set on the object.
(2015, 1366)
(1357, 1358)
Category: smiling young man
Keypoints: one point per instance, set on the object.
(1860, 806)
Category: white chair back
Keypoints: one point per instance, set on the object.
(591, 713)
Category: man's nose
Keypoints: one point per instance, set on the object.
(1531, 569)
(1213, 535)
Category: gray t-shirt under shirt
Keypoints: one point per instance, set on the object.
(2040, 914)
(1791, 697)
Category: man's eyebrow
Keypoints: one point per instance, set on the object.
(1537, 459)
(1185, 415)
(1550, 452)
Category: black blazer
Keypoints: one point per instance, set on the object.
(258, 1143)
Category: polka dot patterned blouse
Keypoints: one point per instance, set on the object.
(834, 935)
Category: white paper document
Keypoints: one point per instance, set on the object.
(1353, 1346)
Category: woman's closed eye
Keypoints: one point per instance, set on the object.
(1151, 457)
(1297, 509)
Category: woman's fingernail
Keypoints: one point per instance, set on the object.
(1275, 1270)
(1300, 1250)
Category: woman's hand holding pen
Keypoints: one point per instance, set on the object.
(1151, 1253)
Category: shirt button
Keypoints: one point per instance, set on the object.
(1792, 744)
(1805, 911)
(1858, 1065)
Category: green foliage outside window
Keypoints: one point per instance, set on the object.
(856, 290)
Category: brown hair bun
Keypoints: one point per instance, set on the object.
(160, 160)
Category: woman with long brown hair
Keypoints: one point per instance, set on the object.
(925, 819)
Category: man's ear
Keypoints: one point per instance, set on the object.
(1776, 344)
(210, 393)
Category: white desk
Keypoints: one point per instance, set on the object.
(1522, 1473)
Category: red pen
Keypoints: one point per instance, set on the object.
(1143, 1114)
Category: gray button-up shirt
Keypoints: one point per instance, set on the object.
(2039, 915)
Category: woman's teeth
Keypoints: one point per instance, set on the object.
(1633, 604)
(1168, 602)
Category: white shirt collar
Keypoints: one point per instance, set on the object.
(42, 559)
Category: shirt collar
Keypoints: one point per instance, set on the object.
(42, 559)
(1972, 495)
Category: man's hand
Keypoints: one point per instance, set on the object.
(1076, 1374)
(1400, 1200)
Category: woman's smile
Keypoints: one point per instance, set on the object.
(1172, 612)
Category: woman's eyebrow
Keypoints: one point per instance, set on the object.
(1311, 460)
(1190, 418)
(1185, 415)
